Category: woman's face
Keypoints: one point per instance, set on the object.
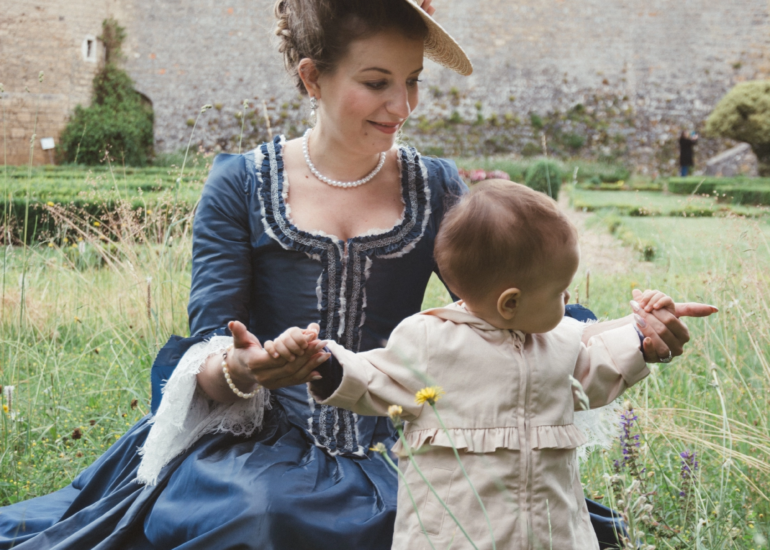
(366, 100)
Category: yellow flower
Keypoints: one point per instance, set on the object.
(379, 448)
(429, 395)
(49, 203)
(97, 224)
(5, 408)
(395, 411)
(149, 212)
(50, 245)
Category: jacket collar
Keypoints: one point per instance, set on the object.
(459, 314)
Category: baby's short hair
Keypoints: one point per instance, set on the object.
(497, 234)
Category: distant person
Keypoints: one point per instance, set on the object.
(687, 142)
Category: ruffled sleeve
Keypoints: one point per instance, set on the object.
(186, 413)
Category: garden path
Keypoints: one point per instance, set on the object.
(599, 251)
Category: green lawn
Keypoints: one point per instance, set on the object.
(79, 342)
(650, 203)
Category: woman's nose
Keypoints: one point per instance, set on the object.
(398, 103)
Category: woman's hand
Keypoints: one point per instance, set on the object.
(657, 317)
(292, 362)
(249, 364)
(427, 8)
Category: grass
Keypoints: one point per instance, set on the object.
(713, 400)
(78, 351)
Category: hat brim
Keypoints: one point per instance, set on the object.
(441, 47)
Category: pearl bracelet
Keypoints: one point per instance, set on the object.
(229, 380)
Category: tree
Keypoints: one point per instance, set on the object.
(744, 115)
(118, 121)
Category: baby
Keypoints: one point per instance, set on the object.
(506, 357)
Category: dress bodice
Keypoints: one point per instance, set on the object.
(251, 263)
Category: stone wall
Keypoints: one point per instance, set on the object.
(49, 36)
(640, 69)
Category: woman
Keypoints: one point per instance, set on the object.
(238, 457)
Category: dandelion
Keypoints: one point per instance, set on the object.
(49, 203)
(8, 395)
(429, 395)
(5, 409)
(379, 448)
(97, 224)
(395, 412)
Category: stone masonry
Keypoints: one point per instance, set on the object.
(647, 67)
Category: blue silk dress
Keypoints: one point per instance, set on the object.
(307, 479)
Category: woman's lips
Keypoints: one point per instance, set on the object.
(391, 128)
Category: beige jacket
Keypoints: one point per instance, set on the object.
(509, 408)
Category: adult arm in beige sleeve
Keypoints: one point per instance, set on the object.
(374, 380)
(610, 363)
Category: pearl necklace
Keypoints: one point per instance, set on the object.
(335, 183)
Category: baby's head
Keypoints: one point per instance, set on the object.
(510, 254)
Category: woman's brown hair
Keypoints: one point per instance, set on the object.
(322, 30)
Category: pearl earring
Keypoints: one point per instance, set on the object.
(313, 106)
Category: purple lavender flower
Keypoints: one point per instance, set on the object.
(630, 443)
(687, 471)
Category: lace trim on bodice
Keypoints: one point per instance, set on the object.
(341, 287)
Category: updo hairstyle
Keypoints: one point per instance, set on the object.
(322, 30)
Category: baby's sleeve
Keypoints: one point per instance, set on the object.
(610, 363)
(374, 380)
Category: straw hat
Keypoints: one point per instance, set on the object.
(440, 46)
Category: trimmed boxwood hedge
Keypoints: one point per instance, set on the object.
(739, 190)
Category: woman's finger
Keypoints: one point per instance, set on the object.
(675, 326)
(308, 372)
(662, 337)
(242, 338)
(694, 309)
(650, 353)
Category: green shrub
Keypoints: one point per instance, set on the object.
(693, 184)
(544, 176)
(743, 114)
(757, 195)
(118, 122)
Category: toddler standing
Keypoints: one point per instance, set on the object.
(505, 356)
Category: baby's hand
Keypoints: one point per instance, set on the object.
(295, 342)
(652, 300)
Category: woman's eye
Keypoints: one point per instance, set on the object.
(379, 85)
(412, 83)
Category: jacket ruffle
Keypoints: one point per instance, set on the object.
(568, 436)
(488, 440)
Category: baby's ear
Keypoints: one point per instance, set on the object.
(508, 303)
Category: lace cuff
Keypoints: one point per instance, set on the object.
(185, 415)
